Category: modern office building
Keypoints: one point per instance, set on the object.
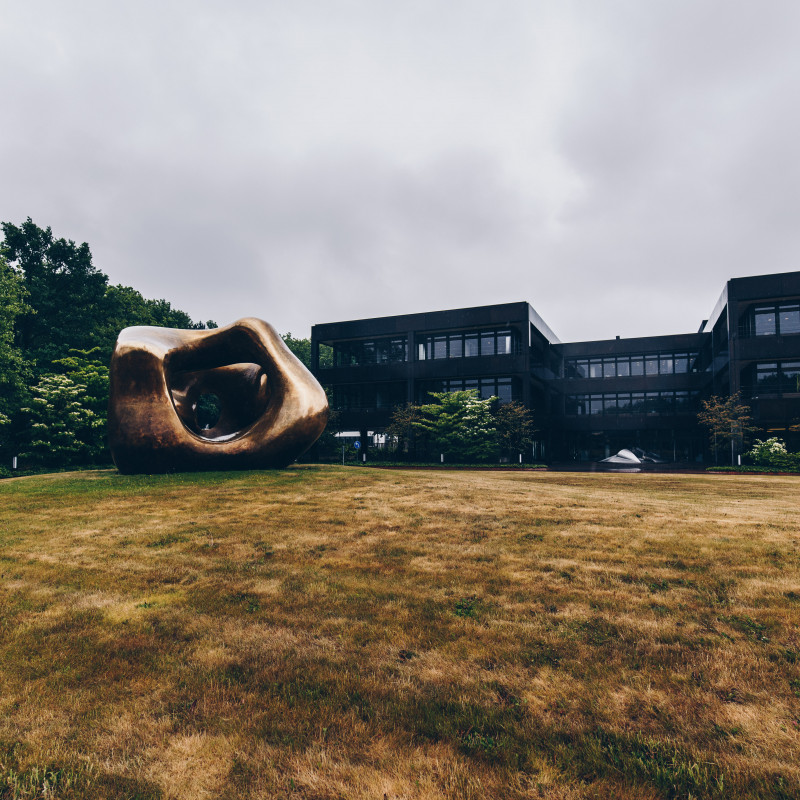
(590, 399)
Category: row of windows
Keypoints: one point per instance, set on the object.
(772, 320)
(630, 365)
(467, 344)
(501, 388)
(777, 376)
(681, 402)
(371, 351)
(355, 397)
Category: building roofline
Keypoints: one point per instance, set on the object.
(431, 320)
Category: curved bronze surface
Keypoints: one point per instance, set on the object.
(271, 407)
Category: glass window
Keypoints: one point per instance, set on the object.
(470, 345)
(503, 343)
(583, 367)
(609, 368)
(651, 365)
(666, 403)
(487, 343)
(596, 404)
(665, 365)
(651, 401)
(367, 353)
(623, 367)
(595, 368)
(790, 376)
(440, 347)
(373, 351)
(637, 365)
(609, 403)
(638, 403)
(456, 346)
(487, 388)
(789, 319)
(767, 375)
(681, 362)
(504, 393)
(764, 321)
(681, 402)
(399, 350)
(382, 351)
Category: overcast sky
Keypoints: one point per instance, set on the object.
(611, 162)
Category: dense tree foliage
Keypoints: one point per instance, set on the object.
(62, 430)
(65, 291)
(404, 430)
(515, 428)
(459, 425)
(14, 369)
(462, 427)
(302, 349)
(59, 320)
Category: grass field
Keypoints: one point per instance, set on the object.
(353, 633)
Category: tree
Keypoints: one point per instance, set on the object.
(728, 422)
(15, 371)
(302, 349)
(460, 425)
(403, 428)
(63, 431)
(71, 305)
(515, 427)
(85, 368)
(65, 289)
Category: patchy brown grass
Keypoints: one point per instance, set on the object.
(348, 633)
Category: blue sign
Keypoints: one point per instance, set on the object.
(357, 444)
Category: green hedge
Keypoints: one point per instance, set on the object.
(754, 469)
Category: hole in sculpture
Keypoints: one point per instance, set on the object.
(207, 411)
(218, 404)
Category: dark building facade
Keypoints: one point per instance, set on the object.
(590, 399)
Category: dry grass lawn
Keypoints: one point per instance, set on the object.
(329, 632)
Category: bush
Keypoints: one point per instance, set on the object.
(773, 453)
(752, 470)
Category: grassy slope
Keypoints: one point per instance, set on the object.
(326, 633)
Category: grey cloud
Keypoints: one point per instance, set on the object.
(315, 161)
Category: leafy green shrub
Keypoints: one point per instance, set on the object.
(63, 429)
(773, 453)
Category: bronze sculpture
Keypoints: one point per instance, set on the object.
(271, 409)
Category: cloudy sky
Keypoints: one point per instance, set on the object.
(613, 162)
